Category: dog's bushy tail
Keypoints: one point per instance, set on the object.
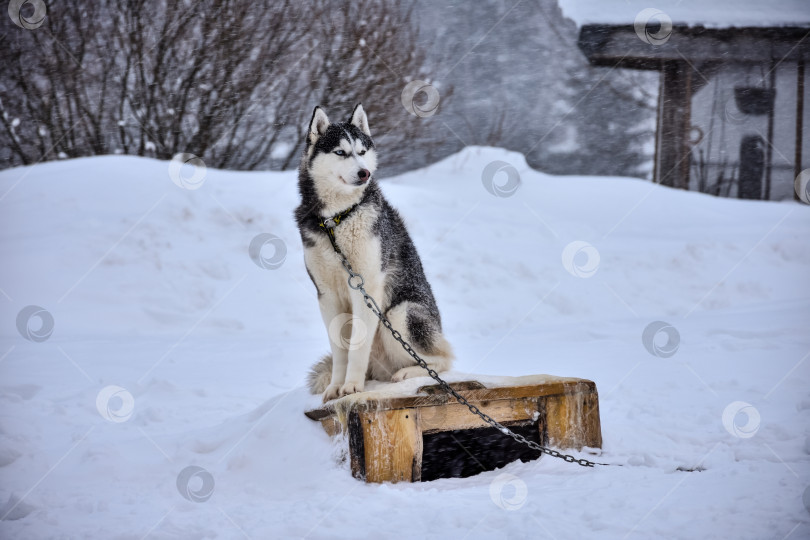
(320, 375)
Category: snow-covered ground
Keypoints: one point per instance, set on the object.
(151, 289)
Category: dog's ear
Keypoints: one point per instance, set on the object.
(318, 125)
(360, 120)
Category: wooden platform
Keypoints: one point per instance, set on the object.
(388, 434)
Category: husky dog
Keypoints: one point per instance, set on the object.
(341, 203)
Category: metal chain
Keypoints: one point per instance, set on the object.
(357, 285)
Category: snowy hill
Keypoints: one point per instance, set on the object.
(152, 289)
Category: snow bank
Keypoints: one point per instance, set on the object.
(152, 291)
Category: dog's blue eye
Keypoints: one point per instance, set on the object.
(340, 153)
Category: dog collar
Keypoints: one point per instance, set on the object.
(328, 224)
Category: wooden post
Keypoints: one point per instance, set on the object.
(392, 445)
(572, 420)
(672, 153)
(769, 148)
(797, 161)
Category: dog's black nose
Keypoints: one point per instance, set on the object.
(363, 175)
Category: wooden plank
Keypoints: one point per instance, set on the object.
(620, 46)
(556, 386)
(455, 416)
(457, 386)
(392, 445)
(331, 425)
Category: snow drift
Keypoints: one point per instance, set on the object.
(200, 355)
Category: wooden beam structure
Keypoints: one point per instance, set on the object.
(687, 59)
(620, 46)
(387, 435)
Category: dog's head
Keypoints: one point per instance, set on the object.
(340, 158)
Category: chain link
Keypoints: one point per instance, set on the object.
(372, 305)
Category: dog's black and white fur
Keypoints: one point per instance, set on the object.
(337, 172)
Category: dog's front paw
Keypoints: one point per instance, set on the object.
(332, 392)
(409, 373)
(351, 388)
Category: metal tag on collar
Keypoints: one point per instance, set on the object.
(330, 223)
